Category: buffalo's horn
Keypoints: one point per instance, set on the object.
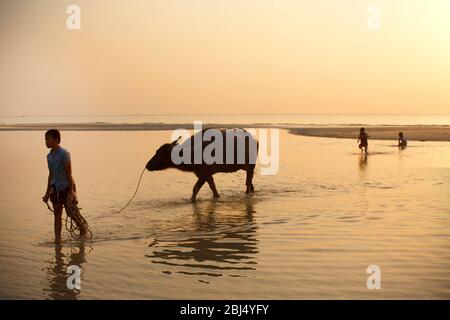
(176, 141)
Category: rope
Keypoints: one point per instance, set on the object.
(137, 187)
(74, 220)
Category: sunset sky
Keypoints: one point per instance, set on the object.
(224, 56)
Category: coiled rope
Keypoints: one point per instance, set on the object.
(74, 218)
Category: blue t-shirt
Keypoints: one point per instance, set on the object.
(57, 161)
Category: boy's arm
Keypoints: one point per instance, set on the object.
(70, 178)
(47, 191)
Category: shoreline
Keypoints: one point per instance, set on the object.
(411, 132)
(106, 126)
(376, 132)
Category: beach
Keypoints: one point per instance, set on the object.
(310, 231)
(105, 108)
(376, 132)
(412, 132)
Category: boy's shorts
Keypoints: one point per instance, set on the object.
(59, 197)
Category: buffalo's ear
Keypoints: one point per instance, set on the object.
(176, 141)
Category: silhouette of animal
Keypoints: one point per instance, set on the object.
(238, 151)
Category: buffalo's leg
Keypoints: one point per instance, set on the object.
(212, 185)
(248, 181)
(197, 186)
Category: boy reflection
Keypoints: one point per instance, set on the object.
(57, 275)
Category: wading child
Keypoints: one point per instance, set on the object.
(362, 140)
(60, 185)
(401, 140)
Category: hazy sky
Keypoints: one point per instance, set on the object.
(224, 56)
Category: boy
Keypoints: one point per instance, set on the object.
(363, 136)
(402, 143)
(60, 185)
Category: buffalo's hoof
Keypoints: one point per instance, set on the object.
(216, 196)
(193, 200)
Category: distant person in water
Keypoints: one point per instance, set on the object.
(60, 185)
(402, 143)
(362, 140)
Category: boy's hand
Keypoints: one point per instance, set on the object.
(70, 195)
(46, 197)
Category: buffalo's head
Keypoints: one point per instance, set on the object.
(162, 158)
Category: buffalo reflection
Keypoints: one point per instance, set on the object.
(221, 238)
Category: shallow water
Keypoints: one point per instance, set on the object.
(310, 231)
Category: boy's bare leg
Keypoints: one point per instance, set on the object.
(58, 221)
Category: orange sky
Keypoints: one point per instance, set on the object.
(224, 56)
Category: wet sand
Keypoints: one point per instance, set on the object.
(386, 132)
(412, 133)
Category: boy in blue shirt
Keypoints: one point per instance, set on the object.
(60, 185)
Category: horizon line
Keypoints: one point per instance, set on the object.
(231, 114)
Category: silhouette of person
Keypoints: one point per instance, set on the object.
(362, 140)
(402, 142)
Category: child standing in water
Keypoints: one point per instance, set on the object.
(60, 185)
(401, 140)
(362, 140)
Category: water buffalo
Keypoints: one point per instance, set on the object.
(231, 149)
